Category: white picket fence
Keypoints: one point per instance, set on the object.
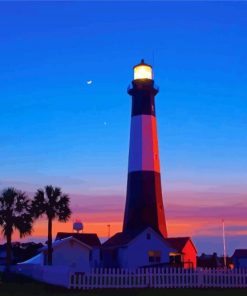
(159, 278)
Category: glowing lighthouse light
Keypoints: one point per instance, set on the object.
(143, 71)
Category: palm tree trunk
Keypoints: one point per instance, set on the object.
(8, 251)
(49, 243)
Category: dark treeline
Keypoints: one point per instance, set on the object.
(20, 252)
(18, 212)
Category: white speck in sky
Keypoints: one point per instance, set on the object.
(89, 82)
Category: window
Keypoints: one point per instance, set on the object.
(154, 256)
(148, 235)
(175, 259)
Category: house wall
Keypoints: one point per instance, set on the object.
(95, 262)
(189, 257)
(72, 254)
(69, 254)
(136, 254)
(110, 258)
(240, 262)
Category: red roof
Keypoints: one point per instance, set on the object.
(179, 243)
(90, 239)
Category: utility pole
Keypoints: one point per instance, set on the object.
(224, 241)
(109, 230)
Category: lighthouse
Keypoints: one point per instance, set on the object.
(144, 204)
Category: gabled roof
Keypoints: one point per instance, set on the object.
(58, 243)
(90, 239)
(179, 243)
(122, 239)
(240, 253)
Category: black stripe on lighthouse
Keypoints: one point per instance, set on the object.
(143, 93)
(144, 205)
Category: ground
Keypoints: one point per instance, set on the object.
(24, 287)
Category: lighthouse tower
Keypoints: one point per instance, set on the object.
(144, 205)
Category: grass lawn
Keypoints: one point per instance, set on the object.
(25, 287)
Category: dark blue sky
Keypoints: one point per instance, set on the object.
(57, 129)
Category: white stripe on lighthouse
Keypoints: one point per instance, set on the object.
(135, 150)
(143, 153)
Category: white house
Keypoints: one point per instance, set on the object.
(69, 252)
(136, 249)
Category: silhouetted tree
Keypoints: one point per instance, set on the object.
(15, 214)
(55, 205)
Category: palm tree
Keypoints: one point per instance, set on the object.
(55, 205)
(15, 214)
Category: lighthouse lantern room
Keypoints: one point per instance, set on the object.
(143, 71)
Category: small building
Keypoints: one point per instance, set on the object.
(185, 254)
(239, 258)
(89, 239)
(70, 252)
(136, 249)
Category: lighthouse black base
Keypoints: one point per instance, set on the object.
(144, 206)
